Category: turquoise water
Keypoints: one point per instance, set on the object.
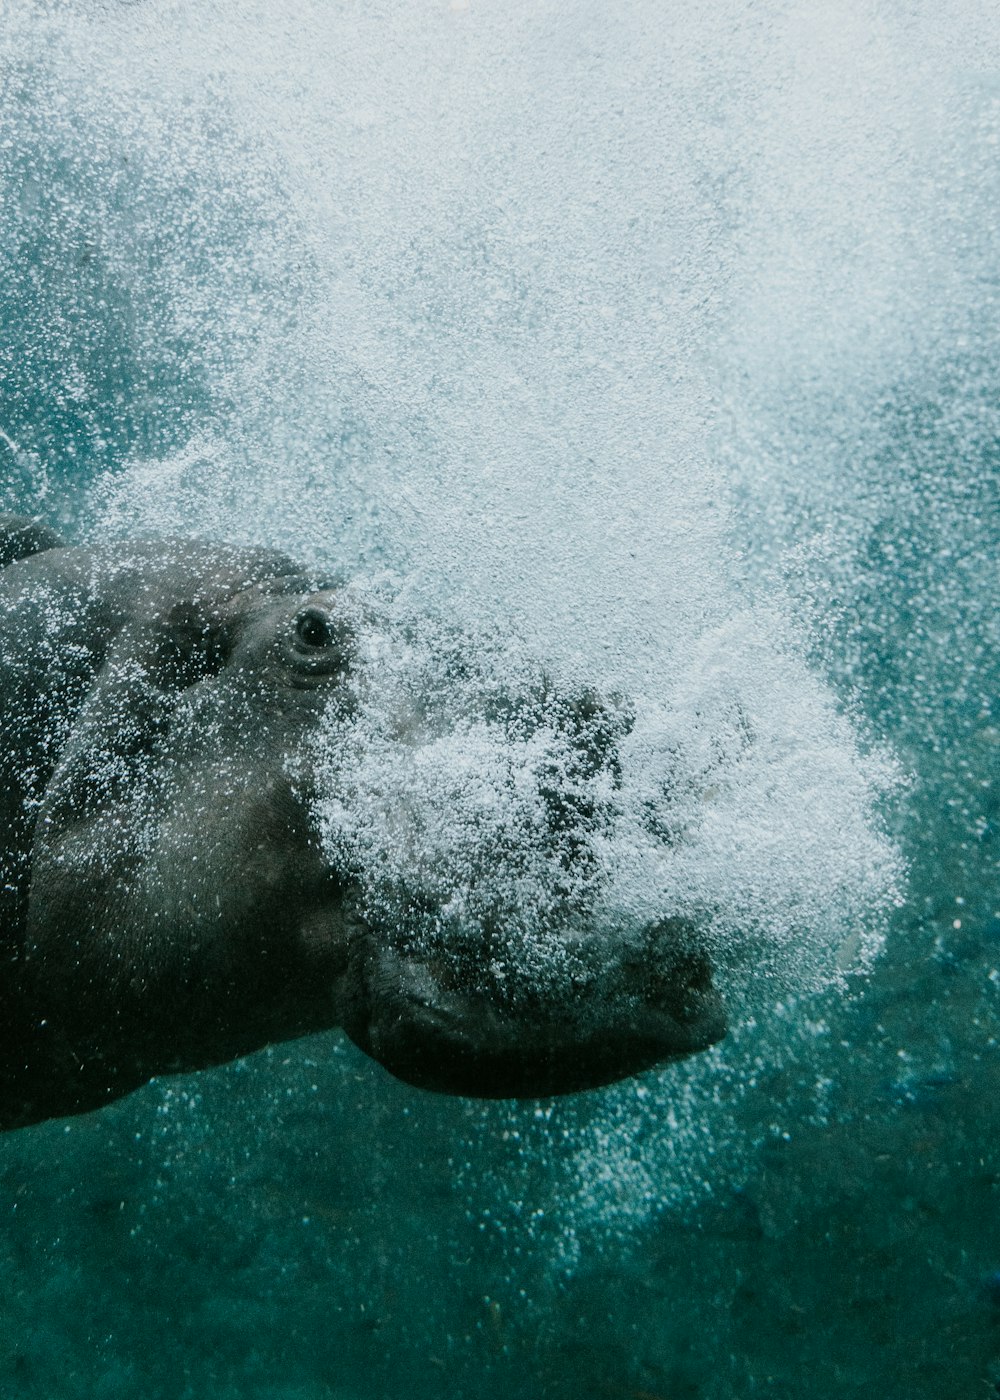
(673, 339)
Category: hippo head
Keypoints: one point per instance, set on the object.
(291, 808)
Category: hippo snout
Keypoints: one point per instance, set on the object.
(478, 1032)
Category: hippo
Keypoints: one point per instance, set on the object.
(168, 901)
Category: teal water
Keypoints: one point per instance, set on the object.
(640, 329)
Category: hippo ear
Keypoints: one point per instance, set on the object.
(127, 716)
(191, 642)
(21, 536)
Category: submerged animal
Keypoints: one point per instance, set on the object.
(166, 900)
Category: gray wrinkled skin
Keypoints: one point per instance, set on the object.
(166, 902)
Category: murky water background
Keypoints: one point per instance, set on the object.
(670, 340)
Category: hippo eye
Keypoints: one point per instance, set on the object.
(315, 628)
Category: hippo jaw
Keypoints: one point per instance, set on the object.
(430, 1029)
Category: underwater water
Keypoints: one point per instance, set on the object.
(664, 339)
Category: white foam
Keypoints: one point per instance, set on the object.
(740, 801)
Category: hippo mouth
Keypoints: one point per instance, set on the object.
(495, 838)
(477, 1038)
